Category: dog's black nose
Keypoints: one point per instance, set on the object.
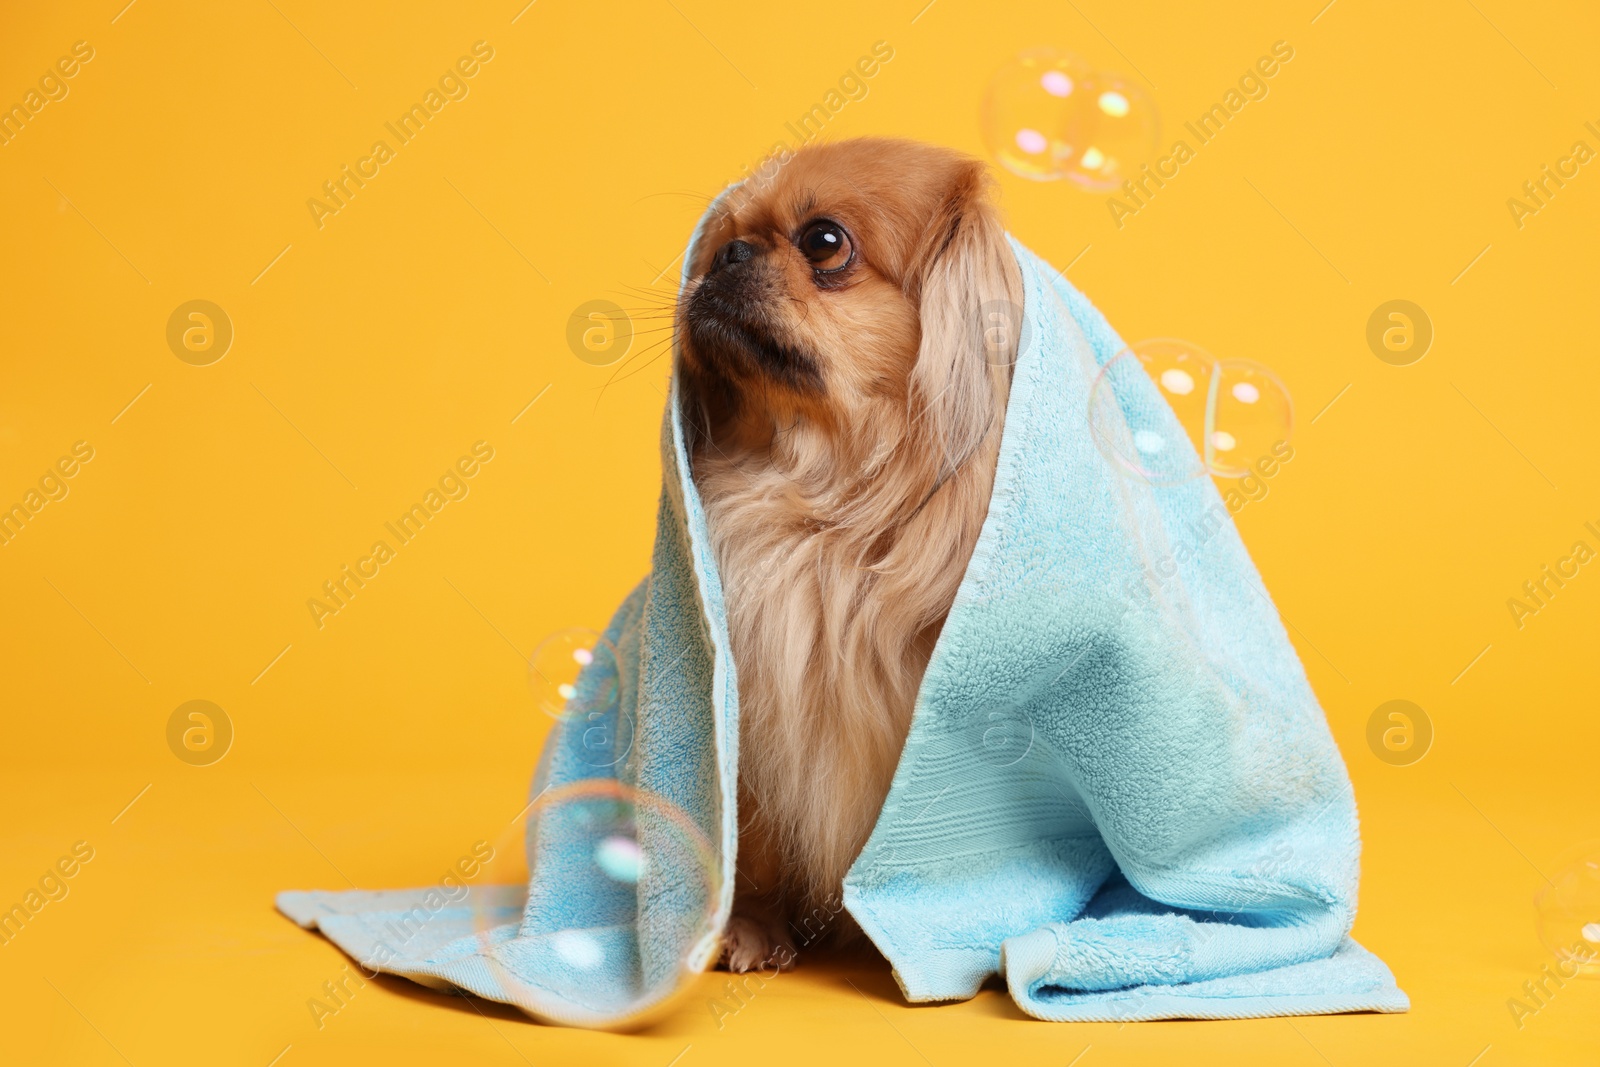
(734, 251)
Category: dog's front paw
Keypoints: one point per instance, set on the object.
(750, 944)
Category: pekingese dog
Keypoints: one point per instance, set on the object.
(845, 344)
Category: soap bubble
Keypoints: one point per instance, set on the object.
(1027, 112)
(1251, 413)
(617, 858)
(1225, 415)
(1568, 911)
(1153, 440)
(554, 667)
(575, 675)
(1114, 130)
(1048, 115)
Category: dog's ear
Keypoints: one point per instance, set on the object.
(970, 293)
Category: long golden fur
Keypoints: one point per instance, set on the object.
(845, 344)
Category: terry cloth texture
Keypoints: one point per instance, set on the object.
(1118, 791)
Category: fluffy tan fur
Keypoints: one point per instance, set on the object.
(846, 426)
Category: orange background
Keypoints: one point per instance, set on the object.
(372, 352)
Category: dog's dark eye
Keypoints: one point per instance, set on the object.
(826, 245)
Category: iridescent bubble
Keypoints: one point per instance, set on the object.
(1114, 131)
(1220, 417)
(579, 949)
(603, 859)
(1148, 442)
(555, 668)
(1027, 112)
(575, 676)
(1177, 381)
(1251, 417)
(620, 858)
(1032, 142)
(1056, 83)
(1568, 912)
(1149, 432)
(1048, 115)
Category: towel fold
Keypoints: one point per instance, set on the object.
(1118, 790)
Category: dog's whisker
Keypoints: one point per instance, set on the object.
(631, 357)
(660, 349)
(664, 295)
(660, 311)
(700, 197)
(642, 367)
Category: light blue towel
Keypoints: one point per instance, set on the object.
(1119, 791)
